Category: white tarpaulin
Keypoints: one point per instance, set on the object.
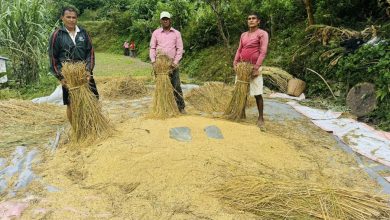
(2, 66)
(312, 113)
(54, 98)
(285, 96)
(4, 79)
(362, 138)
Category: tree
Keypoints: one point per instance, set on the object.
(309, 11)
(217, 7)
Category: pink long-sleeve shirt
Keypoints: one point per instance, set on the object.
(252, 48)
(168, 42)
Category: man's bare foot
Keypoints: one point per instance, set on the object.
(183, 111)
(261, 125)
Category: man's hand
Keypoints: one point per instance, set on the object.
(174, 66)
(63, 83)
(255, 73)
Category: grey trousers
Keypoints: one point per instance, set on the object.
(175, 80)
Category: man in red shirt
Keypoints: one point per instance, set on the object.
(253, 48)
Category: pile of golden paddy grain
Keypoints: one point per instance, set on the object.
(141, 173)
(236, 107)
(88, 122)
(164, 104)
(276, 199)
(122, 87)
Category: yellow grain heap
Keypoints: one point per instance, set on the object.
(88, 121)
(164, 104)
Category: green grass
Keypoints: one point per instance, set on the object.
(107, 65)
(119, 65)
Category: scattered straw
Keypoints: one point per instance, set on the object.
(164, 104)
(273, 199)
(212, 97)
(277, 77)
(88, 122)
(122, 87)
(236, 107)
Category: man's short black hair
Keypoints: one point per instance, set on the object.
(71, 9)
(255, 14)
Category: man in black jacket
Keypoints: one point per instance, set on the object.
(71, 43)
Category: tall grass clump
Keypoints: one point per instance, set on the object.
(23, 37)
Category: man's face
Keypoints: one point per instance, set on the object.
(165, 22)
(69, 19)
(253, 21)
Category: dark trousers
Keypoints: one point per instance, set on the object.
(92, 87)
(126, 52)
(175, 80)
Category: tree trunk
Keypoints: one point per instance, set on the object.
(309, 11)
(272, 25)
(222, 33)
(215, 6)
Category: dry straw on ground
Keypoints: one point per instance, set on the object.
(236, 107)
(164, 104)
(277, 77)
(123, 87)
(27, 113)
(273, 199)
(211, 97)
(88, 122)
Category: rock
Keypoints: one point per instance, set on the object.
(180, 133)
(213, 132)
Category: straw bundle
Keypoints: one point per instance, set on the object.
(236, 107)
(272, 199)
(164, 104)
(277, 77)
(88, 122)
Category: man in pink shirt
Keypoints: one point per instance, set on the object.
(253, 48)
(168, 41)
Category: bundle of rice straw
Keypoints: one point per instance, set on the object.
(277, 77)
(88, 123)
(164, 104)
(236, 108)
(273, 199)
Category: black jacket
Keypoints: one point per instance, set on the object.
(62, 49)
